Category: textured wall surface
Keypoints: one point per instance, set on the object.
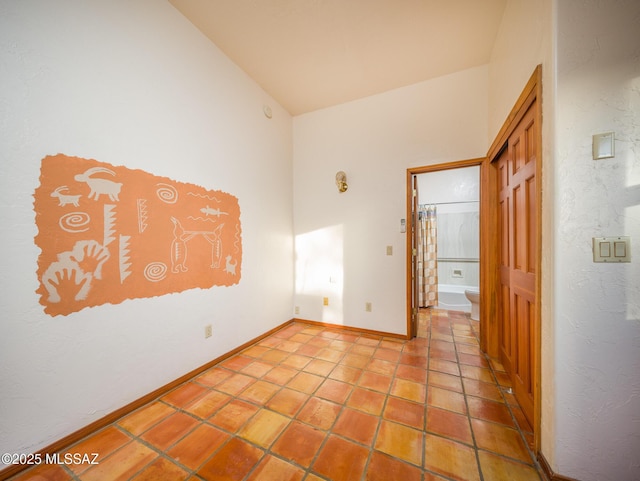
(597, 305)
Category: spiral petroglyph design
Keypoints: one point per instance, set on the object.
(75, 222)
(167, 193)
(155, 271)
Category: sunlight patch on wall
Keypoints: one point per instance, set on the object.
(109, 233)
(320, 272)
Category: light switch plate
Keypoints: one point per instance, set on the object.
(612, 249)
(603, 146)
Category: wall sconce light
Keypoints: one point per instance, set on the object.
(341, 182)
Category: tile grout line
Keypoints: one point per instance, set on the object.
(430, 333)
(427, 407)
(509, 407)
(293, 418)
(534, 462)
(517, 427)
(466, 403)
(329, 431)
(426, 387)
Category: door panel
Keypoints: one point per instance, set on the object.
(532, 221)
(506, 336)
(506, 326)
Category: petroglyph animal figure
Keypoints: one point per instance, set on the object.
(230, 268)
(100, 186)
(209, 211)
(178, 247)
(213, 238)
(64, 199)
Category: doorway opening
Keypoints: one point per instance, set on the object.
(443, 256)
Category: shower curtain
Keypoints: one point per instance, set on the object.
(427, 257)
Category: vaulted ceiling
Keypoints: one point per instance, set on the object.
(311, 54)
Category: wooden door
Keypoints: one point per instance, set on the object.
(518, 259)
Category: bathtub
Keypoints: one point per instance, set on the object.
(451, 297)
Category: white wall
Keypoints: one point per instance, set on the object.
(523, 41)
(129, 83)
(449, 186)
(597, 305)
(341, 239)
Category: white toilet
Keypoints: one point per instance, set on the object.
(474, 298)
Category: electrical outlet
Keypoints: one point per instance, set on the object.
(208, 331)
(296, 310)
(325, 301)
(367, 307)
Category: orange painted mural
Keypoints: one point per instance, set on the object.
(109, 233)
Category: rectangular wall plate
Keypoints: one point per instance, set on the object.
(603, 145)
(612, 249)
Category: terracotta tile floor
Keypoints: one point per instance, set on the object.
(309, 403)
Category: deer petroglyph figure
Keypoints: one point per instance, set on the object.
(64, 199)
(100, 186)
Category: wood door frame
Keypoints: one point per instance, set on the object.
(489, 249)
(409, 238)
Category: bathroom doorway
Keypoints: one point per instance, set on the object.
(443, 259)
